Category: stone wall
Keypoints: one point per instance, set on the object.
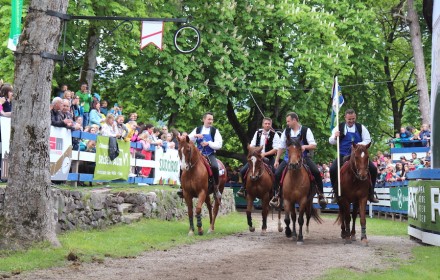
(100, 208)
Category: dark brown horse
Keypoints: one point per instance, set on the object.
(195, 184)
(297, 189)
(355, 183)
(259, 184)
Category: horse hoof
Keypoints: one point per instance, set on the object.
(365, 242)
(299, 242)
(251, 229)
(347, 241)
(353, 238)
(191, 233)
(280, 229)
(210, 231)
(263, 232)
(201, 232)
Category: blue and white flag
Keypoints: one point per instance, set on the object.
(337, 101)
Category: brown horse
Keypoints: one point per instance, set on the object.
(195, 184)
(355, 183)
(297, 189)
(259, 184)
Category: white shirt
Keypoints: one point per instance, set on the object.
(309, 136)
(275, 143)
(366, 139)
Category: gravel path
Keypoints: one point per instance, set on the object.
(247, 256)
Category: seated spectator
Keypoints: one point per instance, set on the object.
(95, 114)
(398, 168)
(403, 160)
(405, 136)
(428, 156)
(326, 178)
(389, 175)
(395, 142)
(425, 135)
(91, 146)
(414, 132)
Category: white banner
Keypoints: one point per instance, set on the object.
(152, 33)
(167, 167)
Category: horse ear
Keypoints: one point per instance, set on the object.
(288, 141)
(187, 139)
(248, 146)
(353, 144)
(368, 146)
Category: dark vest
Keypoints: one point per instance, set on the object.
(269, 144)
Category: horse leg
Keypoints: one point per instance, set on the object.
(353, 218)
(249, 207)
(189, 204)
(362, 208)
(264, 214)
(211, 219)
(347, 219)
(280, 227)
(288, 231)
(300, 239)
(201, 199)
(217, 203)
(293, 216)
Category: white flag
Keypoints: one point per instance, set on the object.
(152, 32)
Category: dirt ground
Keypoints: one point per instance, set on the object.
(247, 256)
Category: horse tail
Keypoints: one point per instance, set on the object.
(315, 215)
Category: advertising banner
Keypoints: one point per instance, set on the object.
(424, 211)
(107, 169)
(399, 198)
(167, 168)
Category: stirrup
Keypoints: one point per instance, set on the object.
(373, 198)
(275, 202)
(322, 201)
(335, 199)
(241, 192)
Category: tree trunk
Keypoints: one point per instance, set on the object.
(28, 214)
(422, 83)
(90, 62)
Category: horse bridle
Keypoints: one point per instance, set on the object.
(297, 165)
(188, 163)
(356, 169)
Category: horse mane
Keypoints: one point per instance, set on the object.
(293, 142)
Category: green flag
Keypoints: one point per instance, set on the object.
(107, 169)
(14, 34)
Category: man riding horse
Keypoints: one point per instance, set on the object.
(304, 134)
(350, 132)
(208, 140)
(267, 138)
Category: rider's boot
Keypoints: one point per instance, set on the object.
(322, 201)
(275, 201)
(372, 196)
(242, 191)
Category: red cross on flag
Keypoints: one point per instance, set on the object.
(152, 32)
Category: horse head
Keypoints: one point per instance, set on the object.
(255, 162)
(359, 160)
(294, 151)
(187, 153)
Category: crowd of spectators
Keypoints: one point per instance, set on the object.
(411, 137)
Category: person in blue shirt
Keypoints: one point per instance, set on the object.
(350, 132)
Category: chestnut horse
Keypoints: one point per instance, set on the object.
(355, 184)
(195, 184)
(297, 189)
(259, 184)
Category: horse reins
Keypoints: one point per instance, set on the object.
(356, 172)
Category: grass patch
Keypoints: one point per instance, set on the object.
(423, 265)
(117, 241)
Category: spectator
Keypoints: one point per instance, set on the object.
(122, 129)
(131, 128)
(133, 117)
(389, 175)
(414, 132)
(396, 143)
(403, 160)
(109, 127)
(116, 110)
(75, 109)
(6, 96)
(56, 116)
(175, 133)
(144, 140)
(85, 99)
(68, 95)
(65, 112)
(154, 137)
(401, 175)
(63, 89)
(104, 105)
(95, 114)
(398, 168)
(96, 97)
(326, 178)
(425, 135)
(414, 159)
(163, 133)
(169, 142)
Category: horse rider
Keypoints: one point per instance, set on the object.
(305, 136)
(350, 132)
(267, 138)
(208, 140)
